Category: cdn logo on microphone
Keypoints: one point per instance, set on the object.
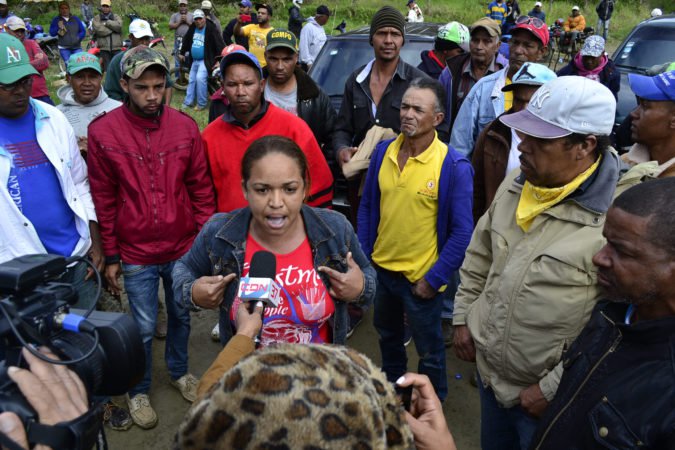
(258, 289)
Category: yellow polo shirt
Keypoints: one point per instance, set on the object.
(406, 236)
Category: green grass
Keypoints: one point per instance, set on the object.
(356, 13)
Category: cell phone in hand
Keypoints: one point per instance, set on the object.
(245, 18)
(405, 395)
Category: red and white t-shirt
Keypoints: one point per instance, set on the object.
(305, 306)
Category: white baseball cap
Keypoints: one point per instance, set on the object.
(206, 4)
(564, 106)
(15, 23)
(3, 2)
(198, 14)
(182, 2)
(140, 28)
(575, 7)
(538, 4)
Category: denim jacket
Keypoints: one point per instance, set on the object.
(220, 247)
(483, 104)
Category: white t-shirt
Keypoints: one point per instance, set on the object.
(287, 102)
(514, 153)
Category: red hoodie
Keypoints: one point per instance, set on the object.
(227, 141)
(150, 184)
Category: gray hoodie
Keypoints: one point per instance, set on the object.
(79, 115)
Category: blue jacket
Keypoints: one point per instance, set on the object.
(75, 31)
(496, 12)
(220, 248)
(454, 223)
(483, 104)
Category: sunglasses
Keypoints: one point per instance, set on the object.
(537, 23)
(24, 82)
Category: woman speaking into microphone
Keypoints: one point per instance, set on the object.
(320, 266)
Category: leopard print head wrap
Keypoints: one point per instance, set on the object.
(298, 397)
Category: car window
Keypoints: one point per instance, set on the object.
(647, 47)
(340, 57)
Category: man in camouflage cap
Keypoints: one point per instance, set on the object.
(152, 193)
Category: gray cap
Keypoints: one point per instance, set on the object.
(564, 106)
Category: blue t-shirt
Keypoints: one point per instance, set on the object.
(197, 50)
(34, 185)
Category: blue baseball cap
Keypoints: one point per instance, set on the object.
(531, 74)
(246, 4)
(240, 57)
(659, 88)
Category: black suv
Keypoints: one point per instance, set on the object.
(650, 43)
(341, 55)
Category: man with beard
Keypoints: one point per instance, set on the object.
(618, 387)
(486, 100)
(290, 88)
(248, 17)
(247, 117)
(256, 33)
(152, 193)
(418, 188)
(528, 281)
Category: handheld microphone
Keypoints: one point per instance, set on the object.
(259, 285)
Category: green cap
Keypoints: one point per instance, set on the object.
(14, 61)
(138, 59)
(279, 37)
(83, 60)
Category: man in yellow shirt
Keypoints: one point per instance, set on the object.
(415, 223)
(256, 33)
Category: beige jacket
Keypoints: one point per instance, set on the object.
(639, 154)
(526, 296)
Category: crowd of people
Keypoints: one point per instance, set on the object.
(489, 214)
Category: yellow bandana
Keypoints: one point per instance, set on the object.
(535, 200)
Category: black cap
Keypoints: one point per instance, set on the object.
(323, 11)
(267, 6)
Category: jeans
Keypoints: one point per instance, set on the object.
(449, 296)
(197, 84)
(503, 428)
(86, 289)
(66, 52)
(176, 52)
(141, 284)
(393, 297)
(604, 24)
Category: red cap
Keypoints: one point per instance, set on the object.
(231, 48)
(539, 33)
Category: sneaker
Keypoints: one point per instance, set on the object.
(200, 108)
(187, 385)
(448, 332)
(141, 411)
(116, 418)
(407, 335)
(215, 333)
(160, 326)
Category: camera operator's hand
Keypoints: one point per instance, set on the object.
(246, 323)
(426, 418)
(55, 392)
(112, 277)
(207, 292)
